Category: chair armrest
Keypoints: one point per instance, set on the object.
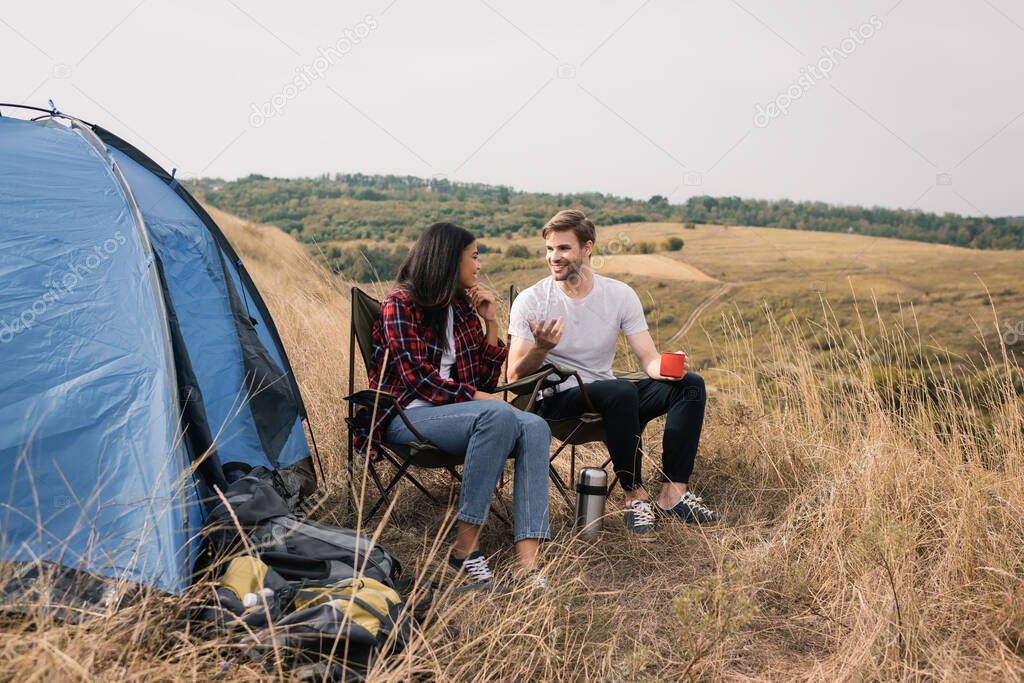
(368, 398)
(533, 383)
(524, 385)
(371, 397)
(631, 375)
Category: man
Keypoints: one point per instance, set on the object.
(573, 319)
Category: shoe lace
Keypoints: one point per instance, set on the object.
(643, 513)
(697, 503)
(478, 568)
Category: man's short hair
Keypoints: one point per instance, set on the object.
(571, 219)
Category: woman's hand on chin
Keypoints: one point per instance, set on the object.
(483, 301)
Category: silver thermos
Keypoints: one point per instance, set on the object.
(590, 496)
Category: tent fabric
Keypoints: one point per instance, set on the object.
(137, 356)
(239, 376)
(88, 421)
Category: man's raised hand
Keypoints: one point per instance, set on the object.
(546, 335)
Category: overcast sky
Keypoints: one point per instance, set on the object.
(922, 105)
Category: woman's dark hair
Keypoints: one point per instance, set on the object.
(431, 272)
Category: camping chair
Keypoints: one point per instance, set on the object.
(402, 456)
(570, 431)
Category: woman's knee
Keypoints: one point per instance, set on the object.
(496, 415)
(535, 426)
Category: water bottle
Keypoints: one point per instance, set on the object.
(590, 496)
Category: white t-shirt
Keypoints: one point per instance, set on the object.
(447, 360)
(592, 323)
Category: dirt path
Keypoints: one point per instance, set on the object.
(699, 311)
(650, 265)
(665, 268)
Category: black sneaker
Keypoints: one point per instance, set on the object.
(640, 518)
(691, 509)
(474, 566)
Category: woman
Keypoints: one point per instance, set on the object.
(432, 354)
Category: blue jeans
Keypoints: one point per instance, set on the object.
(490, 432)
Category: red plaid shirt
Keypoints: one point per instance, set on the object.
(413, 359)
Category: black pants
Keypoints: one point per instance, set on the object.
(627, 407)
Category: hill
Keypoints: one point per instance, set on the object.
(863, 283)
(725, 274)
(872, 525)
(872, 522)
(348, 207)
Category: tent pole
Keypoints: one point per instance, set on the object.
(316, 451)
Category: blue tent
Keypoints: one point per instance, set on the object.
(139, 361)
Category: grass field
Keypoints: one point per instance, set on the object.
(945, 294)
(873, 525)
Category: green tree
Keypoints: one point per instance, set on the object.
(517, 251)
(504, 195)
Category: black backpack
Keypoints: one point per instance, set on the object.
(335, 594)
(298, 550)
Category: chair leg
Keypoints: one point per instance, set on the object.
(554, 456)
(423, 489)
(559, 484)
(402, 470)
(554, 476)
(558, 451)
(572, 464)
(377, 481)
(350, 468)
(385, 494)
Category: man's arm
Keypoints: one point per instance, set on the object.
(525, 356)
(647, 353)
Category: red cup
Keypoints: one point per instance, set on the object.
(673, 365)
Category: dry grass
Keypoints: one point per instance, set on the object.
(656, 266)
(869, 533)
(948, 288)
